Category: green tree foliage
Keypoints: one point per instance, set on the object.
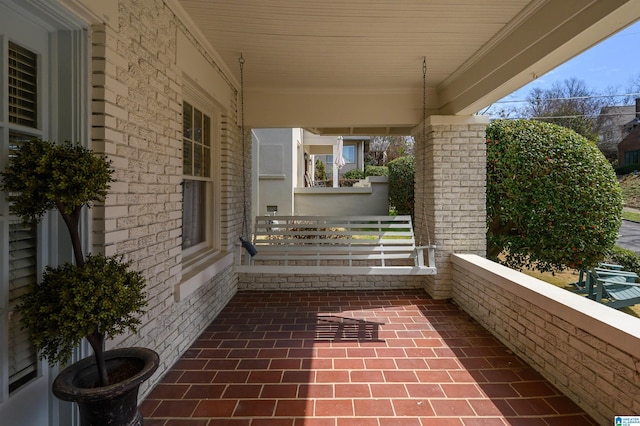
(401, 181)
(43, 175)
(320, 171)
(553, 200)
(47, 175)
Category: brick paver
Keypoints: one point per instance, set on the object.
(318, 358)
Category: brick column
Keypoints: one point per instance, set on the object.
(450, 180)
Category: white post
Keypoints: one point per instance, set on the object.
(336, 182)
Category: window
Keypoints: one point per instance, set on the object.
(22, 268)
(197, 186)
(203, 252)
(349, 154)
(23, 95)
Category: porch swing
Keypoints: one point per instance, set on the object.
(333, 245)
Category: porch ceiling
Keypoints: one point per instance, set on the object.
(355, 67)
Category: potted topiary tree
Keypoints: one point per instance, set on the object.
(97, 297)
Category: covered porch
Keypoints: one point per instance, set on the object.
(474, 344)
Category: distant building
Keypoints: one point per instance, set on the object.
(612, 128)
(629, 148)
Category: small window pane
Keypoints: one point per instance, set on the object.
(187, 120)
(23, 268)
(206, 165)
(197, 160)
(206, 131)
(187, 160)
(22, 274)
(197, 126)
(193, 213)
(23, 86)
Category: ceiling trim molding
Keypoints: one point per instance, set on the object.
(187, 21)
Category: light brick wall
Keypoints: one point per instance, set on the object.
(589, 351)
(326, 282)
(450, 182)
(137, 121)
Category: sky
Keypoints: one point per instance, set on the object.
(611, 63)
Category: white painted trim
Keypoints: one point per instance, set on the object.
(335, 270)
(200, 276)
(332, 191)
(93, 11)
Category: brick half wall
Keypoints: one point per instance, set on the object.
(588, 350)
(292, 282)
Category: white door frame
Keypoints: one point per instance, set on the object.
(62, 43)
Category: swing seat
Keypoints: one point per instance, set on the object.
(336, 245)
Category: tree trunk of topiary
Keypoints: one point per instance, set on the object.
(96, 339)
(73, 223)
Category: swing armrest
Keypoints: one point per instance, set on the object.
(431, 255)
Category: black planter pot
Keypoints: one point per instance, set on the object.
(113, 405)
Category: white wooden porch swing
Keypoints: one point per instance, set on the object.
(333, 245)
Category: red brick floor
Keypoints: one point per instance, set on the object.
(379, 358)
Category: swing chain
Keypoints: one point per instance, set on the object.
(425, 223)
(245, 224)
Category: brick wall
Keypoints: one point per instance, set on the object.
(248, 281)
(450, 208)
(589, 351)
(137, 122)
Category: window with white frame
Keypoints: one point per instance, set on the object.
(199, 217)
(21, 264)
(349, 154)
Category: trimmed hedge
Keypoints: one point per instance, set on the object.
(628, 259)
(376, 171)
(553, 200)
(401, 182)
(353, 174)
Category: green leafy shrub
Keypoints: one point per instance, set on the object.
(376, 171)
(553, 200)
(354, 174)
(628, 259)
(401, 181)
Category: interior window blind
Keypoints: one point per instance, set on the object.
(22, 273)
(23, 84)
